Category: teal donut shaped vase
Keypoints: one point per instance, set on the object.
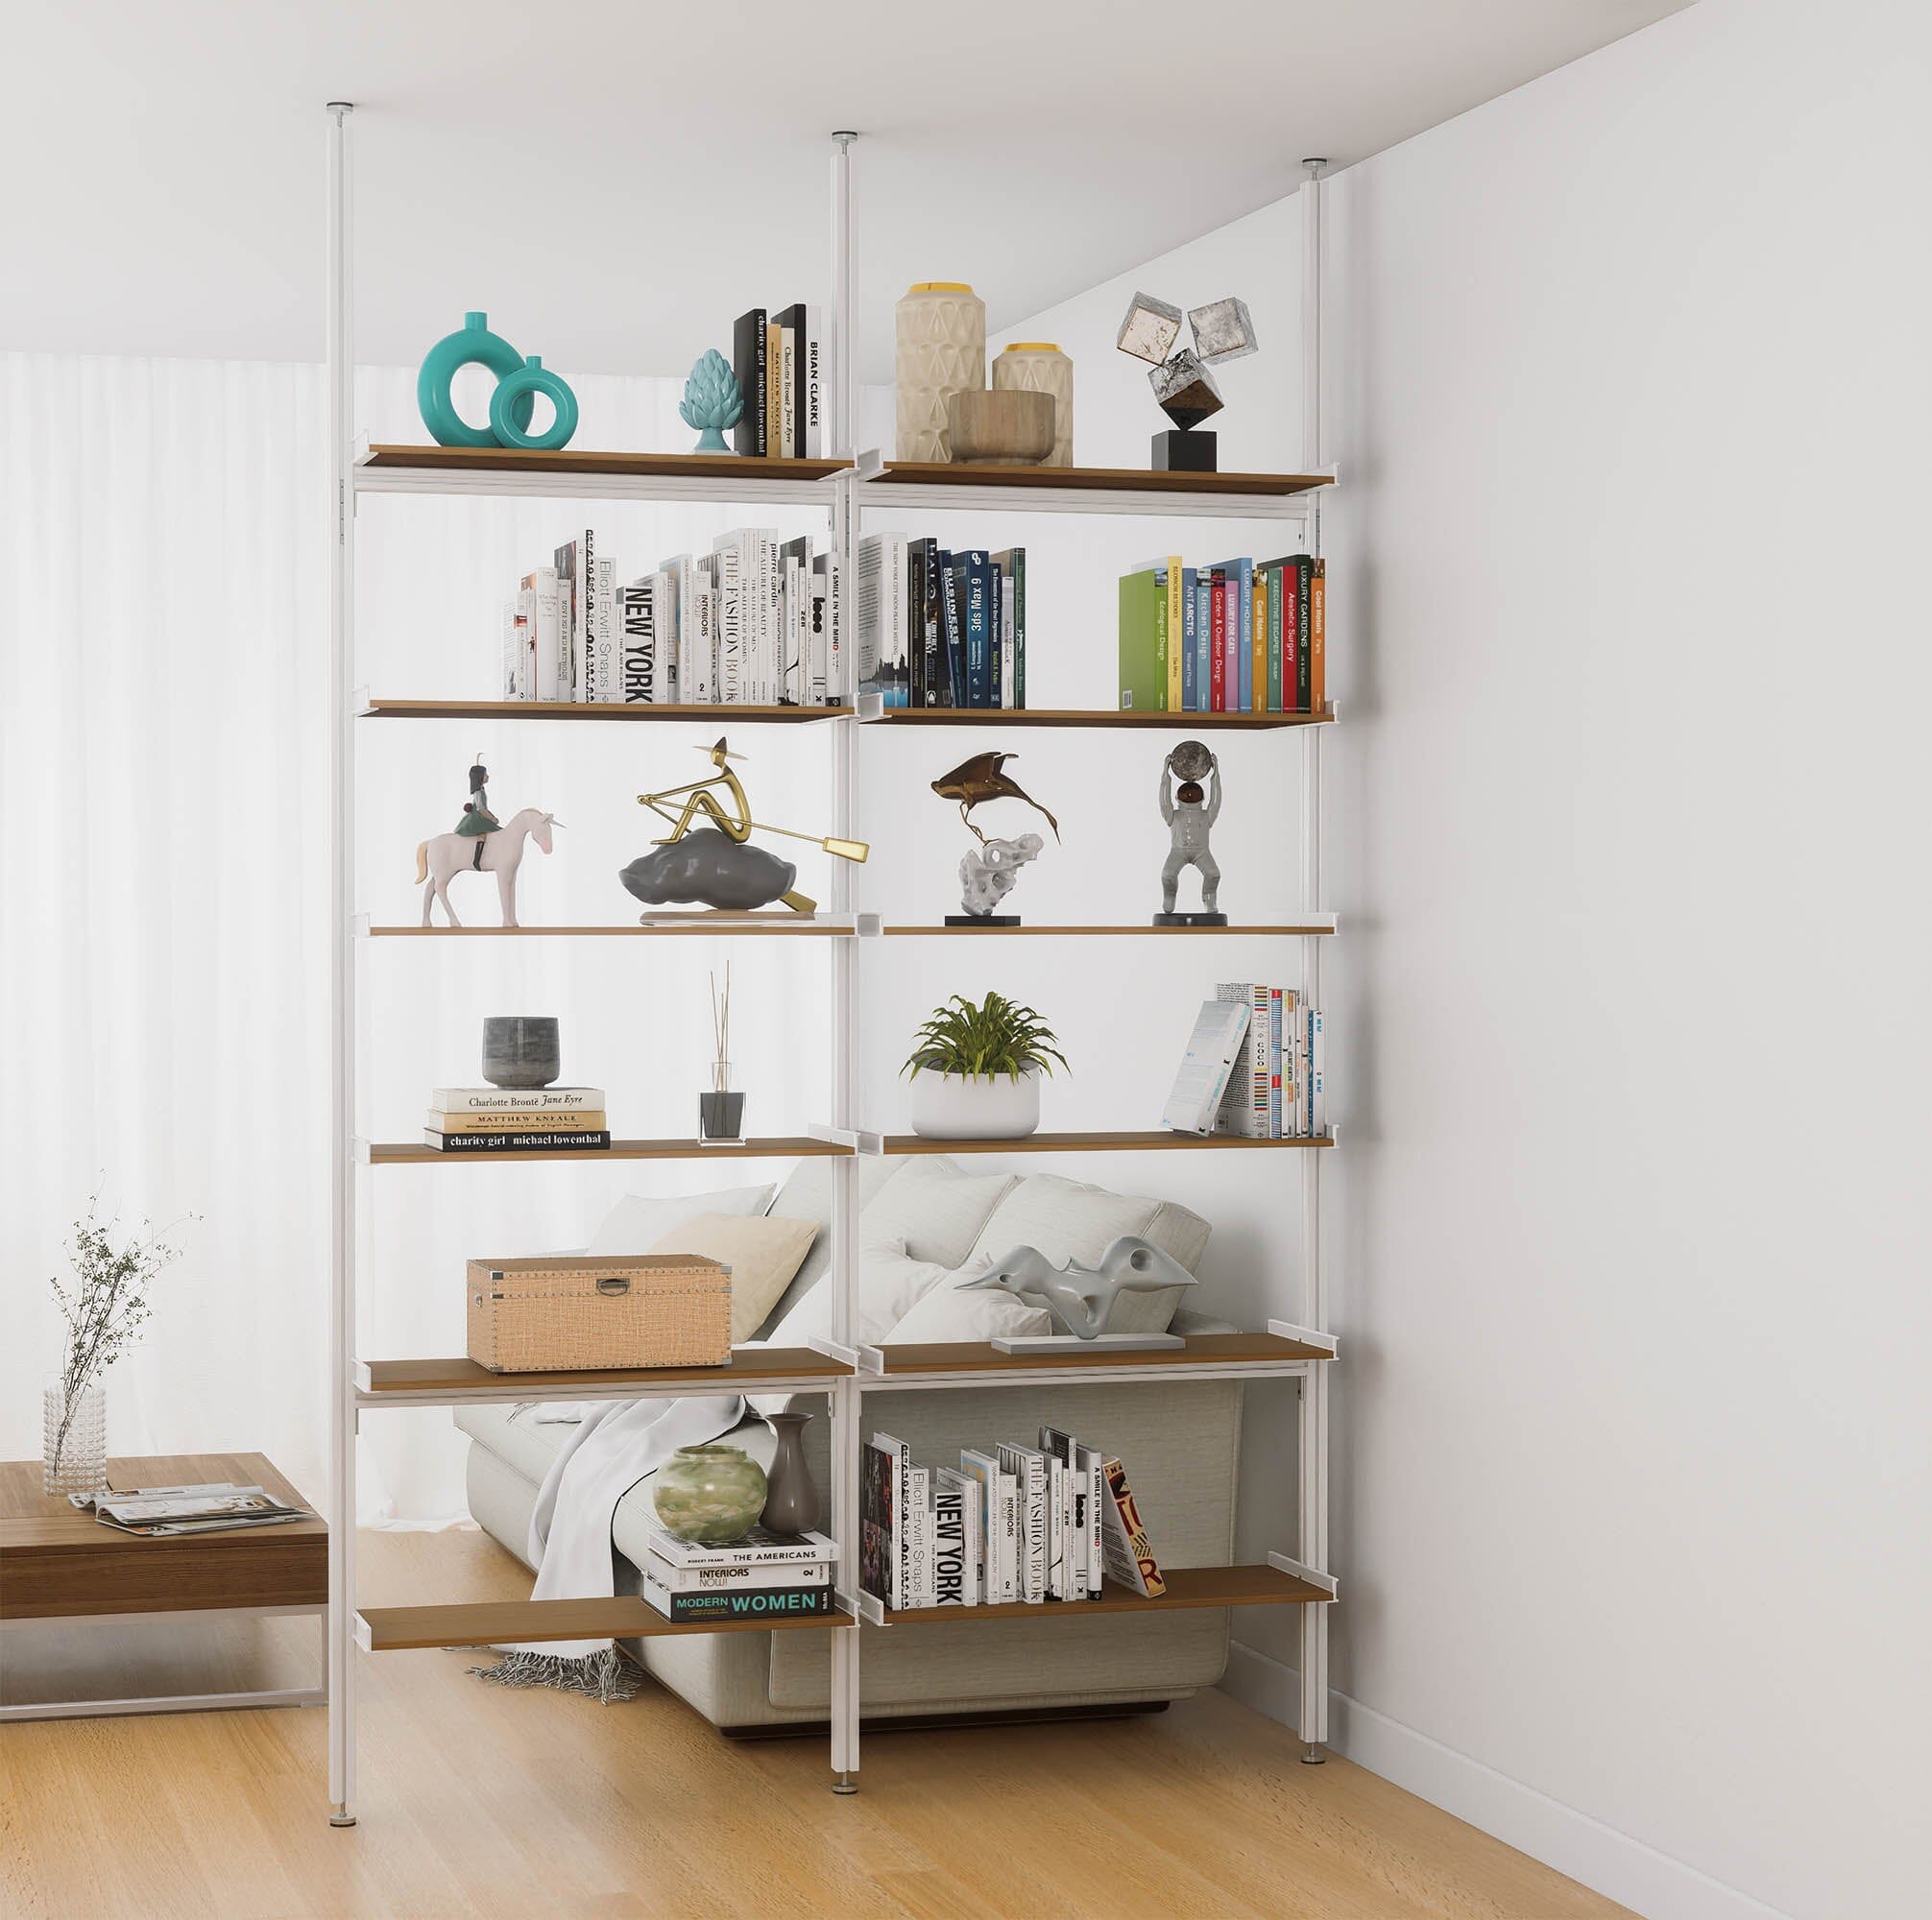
(511, 403)
(473, 343)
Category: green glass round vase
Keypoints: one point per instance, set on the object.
(472, 344)
(709, 1496)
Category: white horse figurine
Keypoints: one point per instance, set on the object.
(445, 855)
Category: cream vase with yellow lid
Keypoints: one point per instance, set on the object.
(1039, 366)
(940, 348)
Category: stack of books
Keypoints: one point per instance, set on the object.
(1239, 636)
(517, 1120)
(1012, 1523)
(752, 622)
(757, 1578)
(1276, 1090)
(783, 365)
(940, 629)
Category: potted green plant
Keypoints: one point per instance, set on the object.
(976, 1069)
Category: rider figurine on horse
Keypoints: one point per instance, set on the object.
(477, 819)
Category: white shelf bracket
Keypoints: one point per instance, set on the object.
(1307, 1336)
(1315, 1577)
(834, 1349)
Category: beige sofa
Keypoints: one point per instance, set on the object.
(1180, 1441)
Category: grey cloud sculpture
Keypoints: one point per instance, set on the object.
(1081, 1298)
(711, 868)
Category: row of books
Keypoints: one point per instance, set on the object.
(517, 1120)
(1010, 1525)
(1254, 1064)
(752, 621)
(1240, 637)
(1276, 1090)
(783, 365)
(940, 629)
(759, 1577)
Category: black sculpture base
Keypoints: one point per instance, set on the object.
(982, 919)
(1190, 919)
(1187, 451)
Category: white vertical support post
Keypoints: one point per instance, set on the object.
(846, 1405)
(342, 1238)
(1311, 1438)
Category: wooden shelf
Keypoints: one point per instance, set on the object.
(1101, 716)
(718, 714)
(780, 1146)
(1099, 479)
(1130, 1143)
(790, 926)
(1122, 933)
(458, 1378)
(490, 1622)
(1187, 1587)
(727, 466)
(1202, 1349)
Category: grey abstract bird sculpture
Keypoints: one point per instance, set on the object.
(1081, 1298)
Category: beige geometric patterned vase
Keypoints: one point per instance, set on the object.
(1039, 366)
(940, 339)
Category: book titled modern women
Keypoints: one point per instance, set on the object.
(1212, 1049)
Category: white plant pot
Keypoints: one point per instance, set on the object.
(950, 1106)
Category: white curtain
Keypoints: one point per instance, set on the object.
(163, 922)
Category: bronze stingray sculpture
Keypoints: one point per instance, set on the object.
(975, 782)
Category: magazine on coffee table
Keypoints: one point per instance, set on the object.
(219, 1507)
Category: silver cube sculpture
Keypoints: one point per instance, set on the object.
(1150, 329)
(1222, 331)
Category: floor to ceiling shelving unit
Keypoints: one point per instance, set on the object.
(844, 1373)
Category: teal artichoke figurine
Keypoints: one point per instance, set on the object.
(711, 402)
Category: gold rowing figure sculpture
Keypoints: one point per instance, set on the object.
(717, 804)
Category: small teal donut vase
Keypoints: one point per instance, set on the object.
(511, 403)
(476, 343)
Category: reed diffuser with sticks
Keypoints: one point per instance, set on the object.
(720, 1111)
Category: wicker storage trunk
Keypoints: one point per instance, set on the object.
(573, 1313)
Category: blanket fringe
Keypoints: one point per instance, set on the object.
(605, 1677)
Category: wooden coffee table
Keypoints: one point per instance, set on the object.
(58, 1565)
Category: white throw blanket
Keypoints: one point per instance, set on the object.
(614, 1446)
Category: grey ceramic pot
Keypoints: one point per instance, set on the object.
(521, 1050)
(791, 1501)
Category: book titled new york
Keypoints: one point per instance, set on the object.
(639, 680)
(739, 1603)
(748, 363)
(573, 1142)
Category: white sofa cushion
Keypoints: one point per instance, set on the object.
(763, 1254)
(943, 1313)
(933, 1211)
(639, 1221)
(891, 1284)
(1069, 1219)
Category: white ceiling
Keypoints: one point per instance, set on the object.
(615, 182)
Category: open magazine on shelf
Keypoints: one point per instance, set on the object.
(215, 1506)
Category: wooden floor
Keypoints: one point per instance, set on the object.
(477, 1801)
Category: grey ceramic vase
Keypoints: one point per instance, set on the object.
(791, 1501)
(521, 1050)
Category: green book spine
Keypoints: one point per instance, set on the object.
(1161, 639)
(1141, 692)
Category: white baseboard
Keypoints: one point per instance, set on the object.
(1610, 1862)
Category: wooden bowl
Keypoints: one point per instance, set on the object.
(999, 425)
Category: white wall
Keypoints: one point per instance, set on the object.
(1628, 809)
